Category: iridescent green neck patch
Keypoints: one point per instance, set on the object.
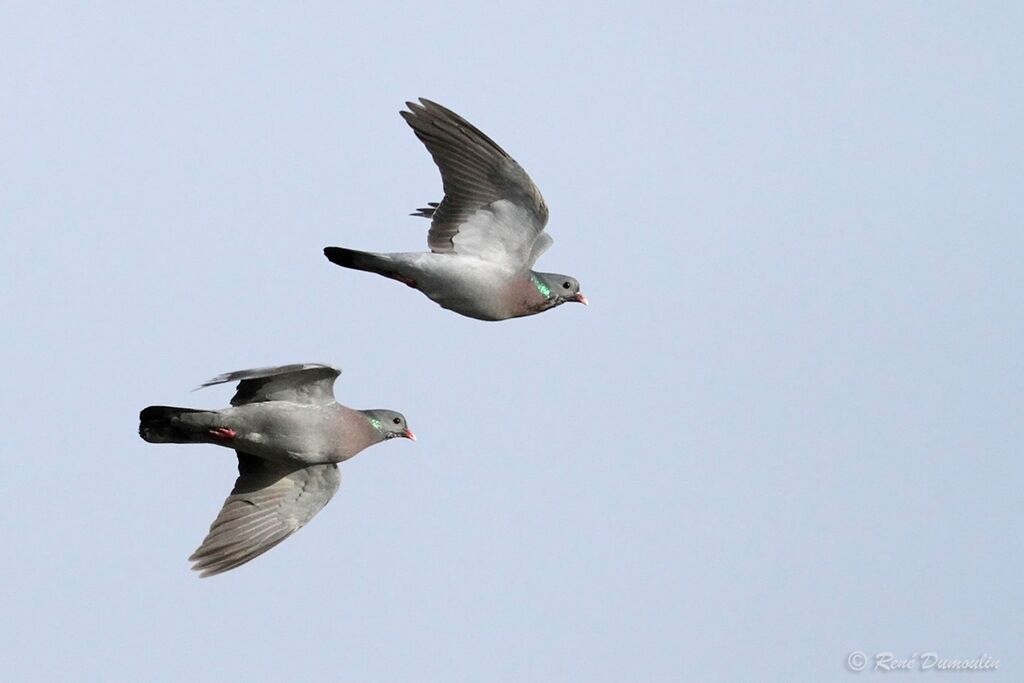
(377, 424)
(544, 290)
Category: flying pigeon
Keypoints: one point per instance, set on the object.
(289, 432)
(485, 235)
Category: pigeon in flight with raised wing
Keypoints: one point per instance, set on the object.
(485, 235)
(289, 432)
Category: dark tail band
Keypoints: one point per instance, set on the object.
(164, 424)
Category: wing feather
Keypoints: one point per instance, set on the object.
(477, 175)
(298, 383)
(269, 503)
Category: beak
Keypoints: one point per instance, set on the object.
(582, 299)
(408, 434)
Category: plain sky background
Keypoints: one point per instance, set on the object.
(789, 426)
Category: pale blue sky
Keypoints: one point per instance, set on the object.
(789, 426)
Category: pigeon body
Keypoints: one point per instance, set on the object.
(485, 235)
(468, 285)
(288, 432)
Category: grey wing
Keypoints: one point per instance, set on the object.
(540, 245)
(299, 383)
(269, 503)
(491, 208)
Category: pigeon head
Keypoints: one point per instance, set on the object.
(558, 289)
(389, 424)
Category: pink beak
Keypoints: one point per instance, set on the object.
(582, 299)
(408, 434)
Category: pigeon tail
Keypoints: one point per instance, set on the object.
(167, 424)
(364, 260)
(360, 260)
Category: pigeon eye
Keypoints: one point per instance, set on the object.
(565, 285)
(397, 420)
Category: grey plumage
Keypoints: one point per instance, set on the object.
(301, 383)
(269, 503)
(485, 234)
(475, 172)
(289, 433)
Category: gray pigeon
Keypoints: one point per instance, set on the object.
(288, 432)
(485, 235)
